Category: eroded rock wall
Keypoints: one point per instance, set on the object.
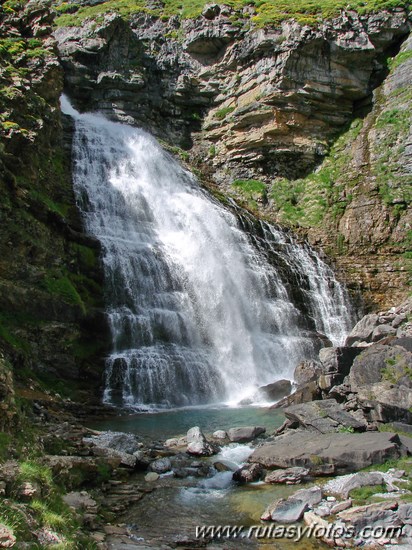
(51, 323)
(258, 109)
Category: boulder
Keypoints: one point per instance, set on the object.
(210, 11)
(378, 362)
(386, 403)
(248, 473)
(225, 466)
(311, 496)
(125, 443)
(289, 476)
(307, 392)
(219, 434)
(404, 342)
(362, 331)
(329, 454)
(323, 416)
(27, 491)
(245, 434)
(197, 443)
(377, 514)
(336, 364)
(80, 501)
(307, 371)
(343, 486)
(176, 442)
(382, 331)
(161, 465)
(277, 390)
(285, 511)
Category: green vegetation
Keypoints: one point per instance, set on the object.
(251, 191)
(33, 471)
(363, 494)
(222, 113)
(47, 510)
(346, 429)
(268, 12)
(305, 201)
(399, 59)
(60, 285)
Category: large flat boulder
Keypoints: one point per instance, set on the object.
(329, 454)
(323, 416)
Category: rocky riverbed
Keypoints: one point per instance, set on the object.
(348, 419)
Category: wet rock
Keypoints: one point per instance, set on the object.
(311, 496)
(176, 442)
(248, 473)
(151, 476)
(320, 525)
(289, 476)
(277, 390)
(161, 466)
(328, 454)
(304, 393)
(323, 416)
(245, 434)
(225, 466)
(182, 473)
(285, 511)
(198, 445)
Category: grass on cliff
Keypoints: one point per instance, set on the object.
(267, 12)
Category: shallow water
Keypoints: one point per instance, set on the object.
(170, 423)
(177, 506)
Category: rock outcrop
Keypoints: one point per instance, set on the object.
(50, 277)
(258, 108)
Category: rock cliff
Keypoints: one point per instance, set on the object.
(258, 110)
(51, 327)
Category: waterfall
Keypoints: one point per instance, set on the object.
(204, 303)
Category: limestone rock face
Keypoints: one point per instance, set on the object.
(266, 104)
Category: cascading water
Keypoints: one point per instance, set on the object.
(200, 310)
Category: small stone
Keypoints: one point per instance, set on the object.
(161, 466)
(151, 476)
(248, 473)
